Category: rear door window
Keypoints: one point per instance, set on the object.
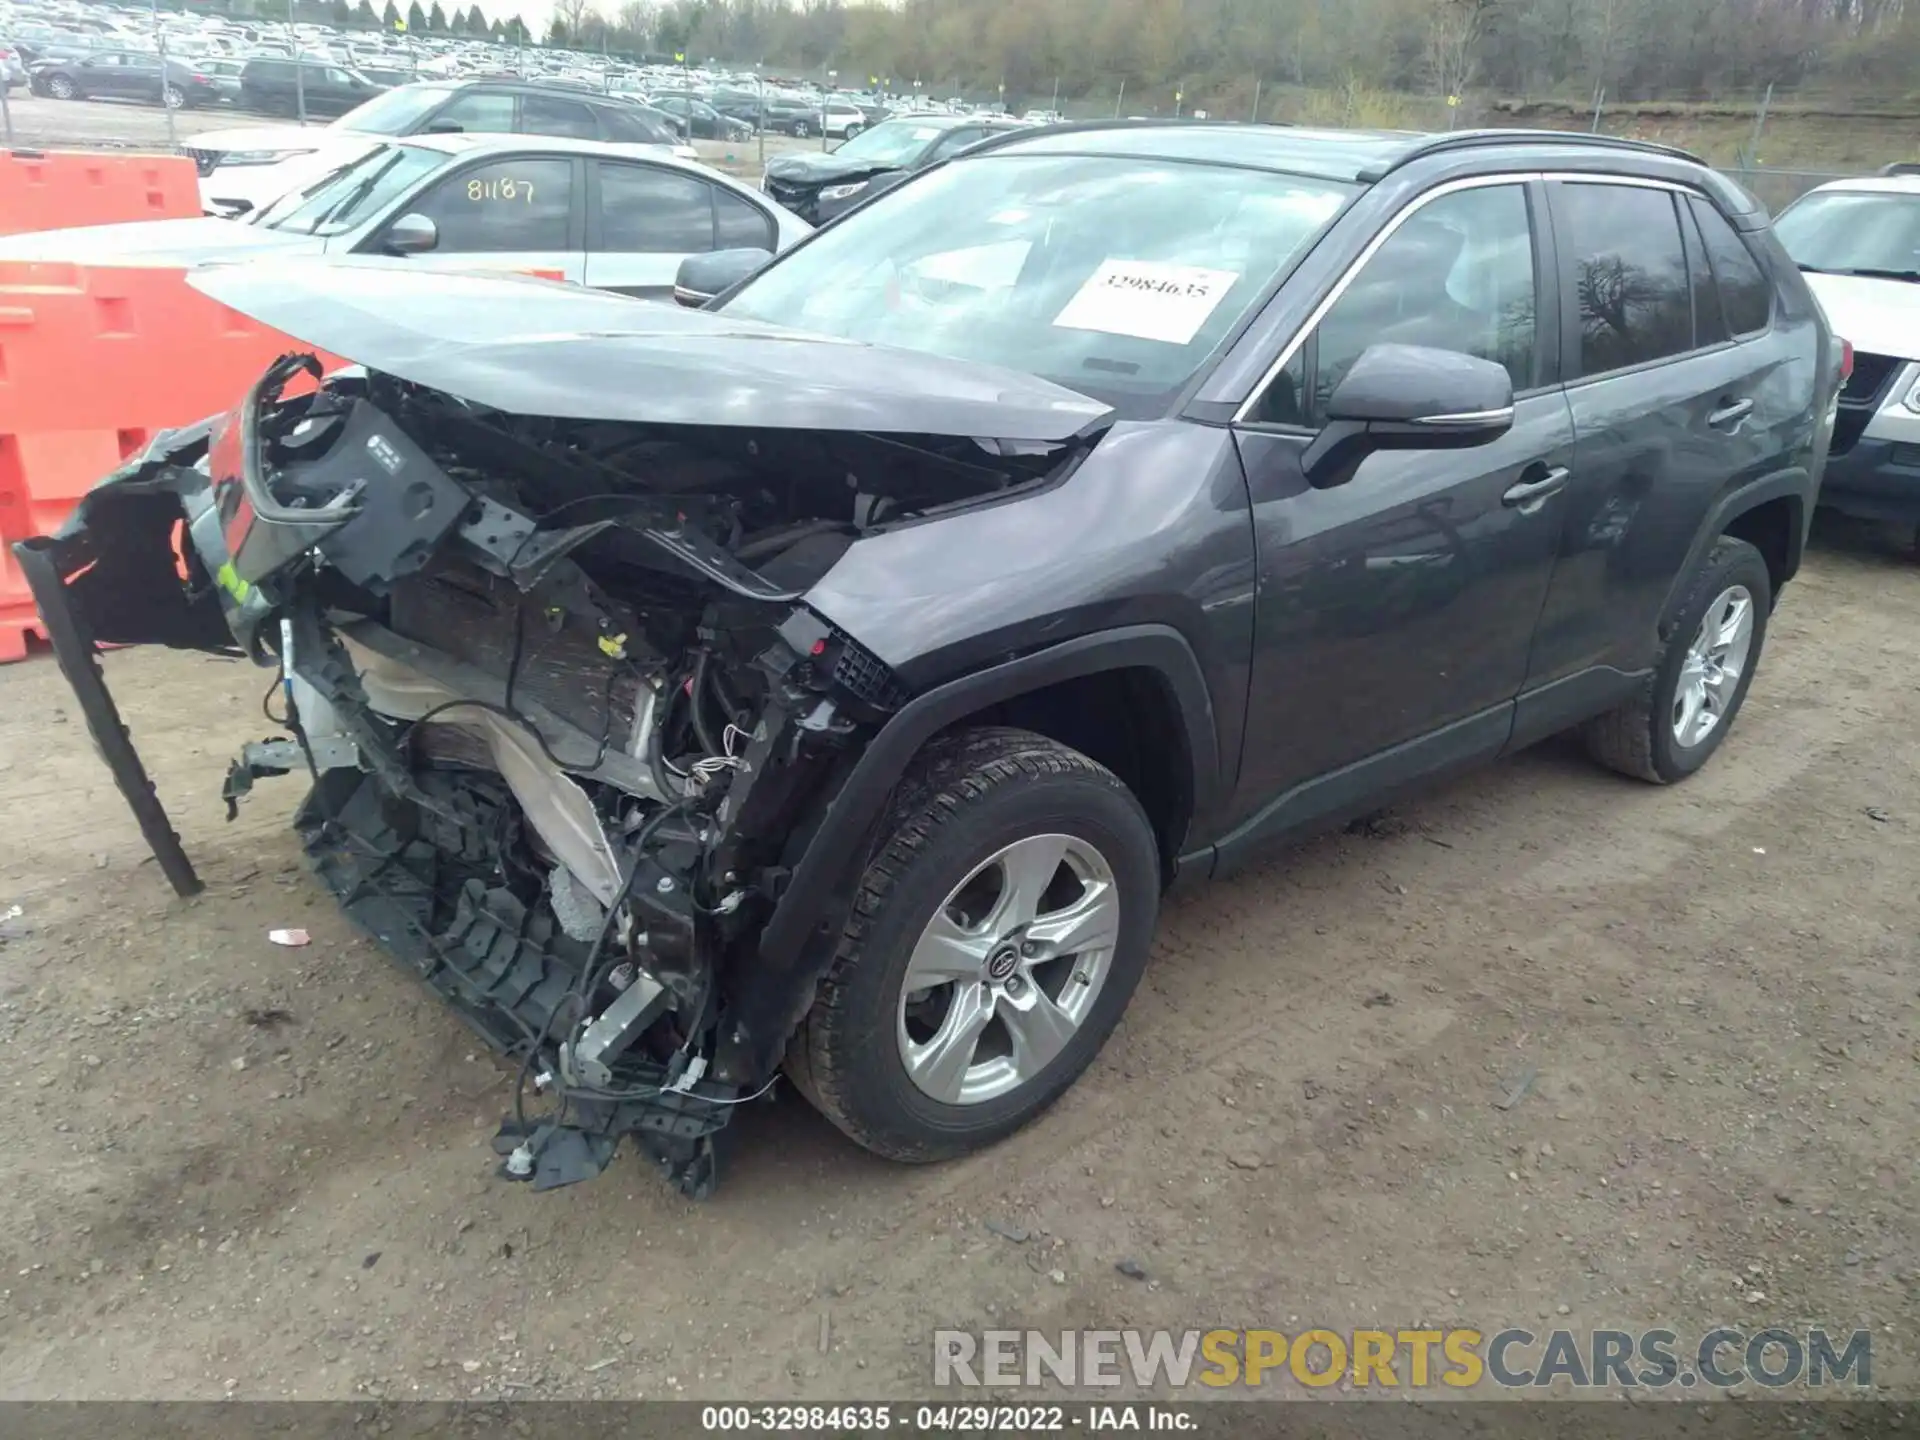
(1744, 288)
(739, 224)
(645, 208)
(1629, 273)
(480, 112)
(547, 115)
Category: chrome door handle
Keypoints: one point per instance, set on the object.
(1529, 491)
(1730, 414)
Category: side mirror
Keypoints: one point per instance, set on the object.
(1408, 397)
(702, 277)
(411, 235)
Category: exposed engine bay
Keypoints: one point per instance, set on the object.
(567, 718)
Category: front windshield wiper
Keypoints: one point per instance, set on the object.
(352, 199)
(1864, 272)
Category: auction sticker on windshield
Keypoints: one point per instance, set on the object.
(1147, 298)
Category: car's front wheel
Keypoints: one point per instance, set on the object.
(173, 97)
(1685, 708)
(853, 130)
(801, 129)
(994, 941)
(61, 88)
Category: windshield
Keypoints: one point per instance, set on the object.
(893, 142)
(1840, 231)
(354, 192)
(1114, 277)
(397, 112)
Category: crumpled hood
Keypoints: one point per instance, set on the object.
(821, 168)
(163, 243)
(535, 347)
(1880, 317)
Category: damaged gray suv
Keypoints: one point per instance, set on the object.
(831, 680)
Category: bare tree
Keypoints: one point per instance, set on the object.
(1453, 44)
(572, 14)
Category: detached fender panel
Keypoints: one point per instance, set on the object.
(796, 943)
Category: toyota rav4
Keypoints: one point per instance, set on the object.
(831, 680)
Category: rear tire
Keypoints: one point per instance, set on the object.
(801, 130)
(174, 98)
(1656, 735)
(982, 808)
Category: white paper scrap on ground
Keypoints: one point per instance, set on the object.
(1148, 299)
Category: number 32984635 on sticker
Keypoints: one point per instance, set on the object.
(1147, 299)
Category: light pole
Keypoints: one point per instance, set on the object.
(832, 75)
(299, 70)
(160, 45)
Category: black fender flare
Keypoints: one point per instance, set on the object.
(776, 990)
(1794, 484)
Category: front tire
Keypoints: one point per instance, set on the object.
(993, 944)
(851, 131)
(801, 130)
(1684, 710)
(174, 98)
(61, 88)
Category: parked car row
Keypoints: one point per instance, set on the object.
(242, 170)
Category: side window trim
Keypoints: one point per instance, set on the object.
(1546, 280)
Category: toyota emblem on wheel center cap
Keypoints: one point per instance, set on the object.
(1002, 963)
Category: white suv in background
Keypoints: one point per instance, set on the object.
(248, 169)
(1858, 243)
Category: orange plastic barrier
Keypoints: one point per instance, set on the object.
(50, 190)
(94, 361)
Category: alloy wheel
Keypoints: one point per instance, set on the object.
(60, 87)
(1008, 969)
(1715, 661)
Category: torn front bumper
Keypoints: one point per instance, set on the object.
(149, 557)
(111, 576)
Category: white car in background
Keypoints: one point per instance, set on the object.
(842, 120)
(1858, 244)
(245, 170)
(614, 217)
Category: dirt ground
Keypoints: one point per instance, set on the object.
(241, 1169)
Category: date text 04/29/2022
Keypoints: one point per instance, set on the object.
(947, 1419)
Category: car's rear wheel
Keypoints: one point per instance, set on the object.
(61, 88)
(173, 97)
(994, 942)
(1707, 660)
(801, 129)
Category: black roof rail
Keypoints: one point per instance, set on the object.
(1900, 167)
(1077, 127)
(1473, 139)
